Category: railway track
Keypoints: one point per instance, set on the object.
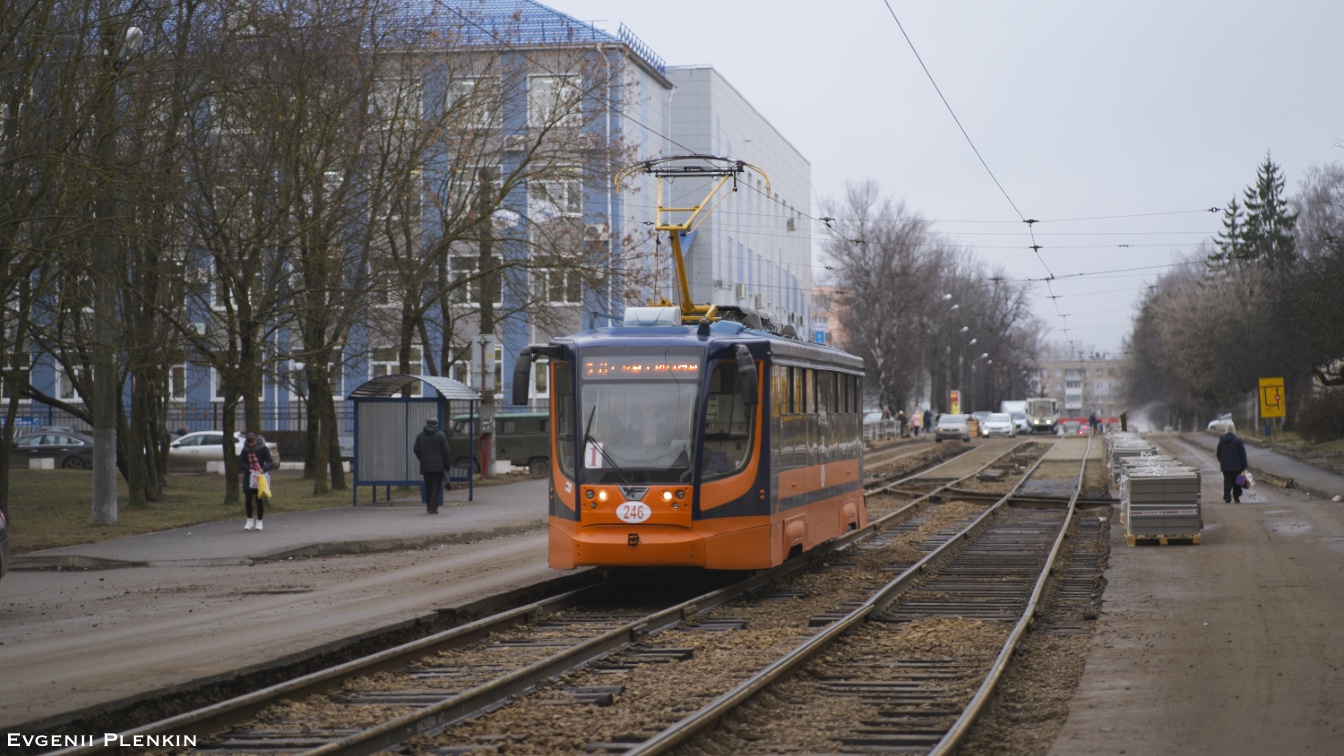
(435, 694)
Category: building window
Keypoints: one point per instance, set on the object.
(559, 194)
(67, 383)
(460, 368)
(474, 103)
(468, 279)
(385, 361)
(557, 286)
(554, 101)
(386, 286)
(177, 382)
(217, 387)
(395, 101)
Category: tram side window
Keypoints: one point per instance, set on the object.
(779, 391)
(799, 389)
(825, 392)
(562, 400)
(728, 437)
(811, 392)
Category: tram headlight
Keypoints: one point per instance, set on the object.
(681, 493)
(588, 494)
(601, 495)
(667, 496)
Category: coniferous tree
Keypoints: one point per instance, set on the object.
(1263, 234)
(1229, 241)
(1268, 233)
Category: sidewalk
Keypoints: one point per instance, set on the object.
(1291, 473)
(385, 526)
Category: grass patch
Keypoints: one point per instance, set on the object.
(51, 508)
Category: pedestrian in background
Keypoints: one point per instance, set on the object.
(903, 421)
(928, 420)
(1232, 461)
(1124, 421)
(431, 448)
(916, 421)
(253, 461)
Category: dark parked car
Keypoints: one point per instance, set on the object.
(73, 451)
(522, 438)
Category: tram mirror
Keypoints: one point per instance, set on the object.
(522, 376)
(746, 373)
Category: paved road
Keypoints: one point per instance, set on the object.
(213, 600)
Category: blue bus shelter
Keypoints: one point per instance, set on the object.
(386, 424)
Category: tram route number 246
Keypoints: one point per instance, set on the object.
(633, 512)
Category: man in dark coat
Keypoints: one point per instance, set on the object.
(431, 448)
(1232, 461)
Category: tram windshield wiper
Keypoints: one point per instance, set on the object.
(588, 439)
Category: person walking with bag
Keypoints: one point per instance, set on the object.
(253, 462)
(431, 448)
(1232, 461)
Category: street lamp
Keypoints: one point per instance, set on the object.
(106, 386)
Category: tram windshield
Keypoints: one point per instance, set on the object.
(638, 408)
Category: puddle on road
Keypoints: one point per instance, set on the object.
(1285, 526)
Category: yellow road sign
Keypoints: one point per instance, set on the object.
(1271, 397)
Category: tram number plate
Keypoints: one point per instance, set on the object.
(633, 512)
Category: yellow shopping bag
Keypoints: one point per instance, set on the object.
(263, 486)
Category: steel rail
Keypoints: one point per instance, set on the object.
(982, 696)
(212, 717)
(216, 716)
(712, 712)
(891, 484)
(434, 718)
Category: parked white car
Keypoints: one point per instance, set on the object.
(1222, 424)
(998, 424)
(191, 452)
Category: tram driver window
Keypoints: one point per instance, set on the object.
(728, 422)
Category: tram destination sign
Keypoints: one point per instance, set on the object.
(619, 367)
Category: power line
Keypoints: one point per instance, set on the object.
(950, 111)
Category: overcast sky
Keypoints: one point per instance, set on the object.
(1080, 109)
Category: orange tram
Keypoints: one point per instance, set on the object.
(721, 445)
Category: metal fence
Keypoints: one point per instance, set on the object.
(291, 416)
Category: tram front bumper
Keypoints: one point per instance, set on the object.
(625, 546)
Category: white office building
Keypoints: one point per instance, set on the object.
(755, 249)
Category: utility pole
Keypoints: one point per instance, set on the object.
(489, 279)
(106, 377)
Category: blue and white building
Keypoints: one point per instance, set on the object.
(754, 250)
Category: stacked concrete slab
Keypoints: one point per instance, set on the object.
(1125, 445)
(1159, 497)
